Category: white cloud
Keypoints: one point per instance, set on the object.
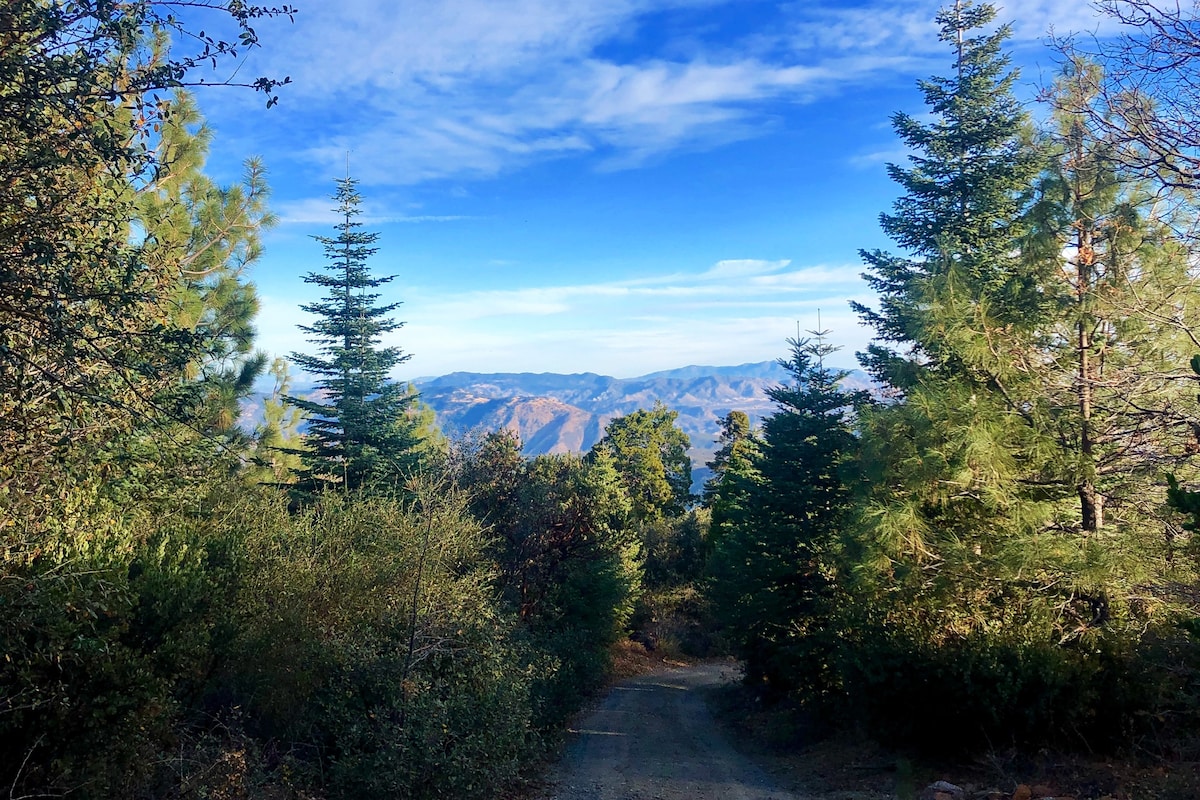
(741, 267)
(876, 158)
(738, 310)
(730, 282)
(894, 27)
(476, 88)
(321, 211)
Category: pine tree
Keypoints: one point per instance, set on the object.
(361, 432)
(964, 190)
(1113, 403)
(276, 438)
(213, 234)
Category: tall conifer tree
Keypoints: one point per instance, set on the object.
(361, 432)
(1041, 377)
(964, 190)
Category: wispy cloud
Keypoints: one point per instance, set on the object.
(735, 282)
(731, 312)
(741, 267)
(321, 211)
(475, 88)
(875, 158)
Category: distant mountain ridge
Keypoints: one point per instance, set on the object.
(556, 413)
(560, 413)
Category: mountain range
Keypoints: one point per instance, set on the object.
(556, 413)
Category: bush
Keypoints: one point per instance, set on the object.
(371, 644)
(356, 650)
(108, 626)
(1011, 686)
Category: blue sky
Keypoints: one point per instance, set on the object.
(613, 186)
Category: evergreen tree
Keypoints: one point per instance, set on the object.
(1121, 285)
(959, 318)
(275, 440)
(964, 191)
(88, 344)
(213, 234)
(729, 493)
(1112, 406)
(1010, 526)
(362, 431)
(772, 566)
(735, 431)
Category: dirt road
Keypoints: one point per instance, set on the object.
(653, 738)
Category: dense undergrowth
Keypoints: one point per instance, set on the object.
(357, 648)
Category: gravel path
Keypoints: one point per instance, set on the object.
(653, 738)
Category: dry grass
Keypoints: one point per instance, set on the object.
(630, 659)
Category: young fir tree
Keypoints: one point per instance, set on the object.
(772, 564)
(735, 432)
(361, 432)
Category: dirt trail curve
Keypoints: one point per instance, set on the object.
(653, 738)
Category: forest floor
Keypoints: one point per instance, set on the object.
(668, 730)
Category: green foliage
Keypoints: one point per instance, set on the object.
(989, 558)
(277, 438)
(361, 640)
(211, 235)
(964, 191)
(362, 432)
(650, 452)
(772, 562)
(113, 620)
(992, 689)
(735, 436)
(368, 639)
(675, 549)
(569, 561)
(89, 344)
(168, 629)
(731, 492)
